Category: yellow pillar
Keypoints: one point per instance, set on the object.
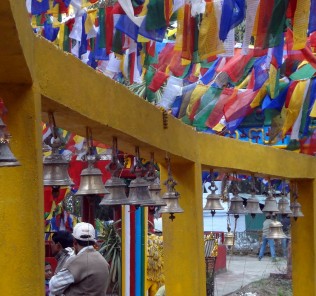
(21, 197)
(303, 242)
(184, 263)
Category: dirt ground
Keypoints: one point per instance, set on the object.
(266, 287)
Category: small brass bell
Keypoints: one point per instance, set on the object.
(171, 197)
(253, 207)
(284, 206)
(275, 230)
(213, 200)
(296, 209)
(172, 204)
(7, 159)
(236, 206)
(270, 205)
(229, 239)
(91, 180)
(117, 194)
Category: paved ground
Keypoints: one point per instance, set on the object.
(242, 270)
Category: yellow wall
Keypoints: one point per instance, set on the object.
(81, 97)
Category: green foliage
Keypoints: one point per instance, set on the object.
(112, 252)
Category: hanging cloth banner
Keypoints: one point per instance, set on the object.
(300, 24)
(264, 16)
(306, 109)
(39, 7)
(158, 80)
(127, 6)
(180, 26)
(297, 124)
(233, 13)
(276, 103)
(294, 105)
(252, 6)
(207, 104)
(239, 106)
(218, 112)
(194, 103)
(312, 17)
(276, 24)
(125, 25)
(188, 34)
(274, 72)
(236, 65)
(208, 43)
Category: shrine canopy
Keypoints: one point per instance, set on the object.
(236, 69)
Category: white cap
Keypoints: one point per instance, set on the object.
(84, 231)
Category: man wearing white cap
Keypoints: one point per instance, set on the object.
(85, 274)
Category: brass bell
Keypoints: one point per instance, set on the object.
(139, 193)
(213, 200)
(275, 230)
(172, 204)
(154, 187)
(171, 197)
(236, 206)
(7, 159)
(252, 206)
(229, 239)
(284, 206)
(117, 195)
(91, 180)
(154, 191)
(270, 205)
(55, 170)
(296, 209)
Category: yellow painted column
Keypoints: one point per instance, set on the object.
(303, 241)
(184, 262)
(21, 197)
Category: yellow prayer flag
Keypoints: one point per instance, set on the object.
(180, 25)
(272, 80)
(295, 105)
(300, 24)
(259, 96)
(313, 112)
(218, 127)
(88, 25)
(61, 36)
(197, 93)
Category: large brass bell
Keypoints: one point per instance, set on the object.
(253, 206)
(296, 210)
(117, 195)
(7, 159)
(284, 206)
(91, 180)
(275, 230)
(236, 206)
(270, 205)
(213, 200)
